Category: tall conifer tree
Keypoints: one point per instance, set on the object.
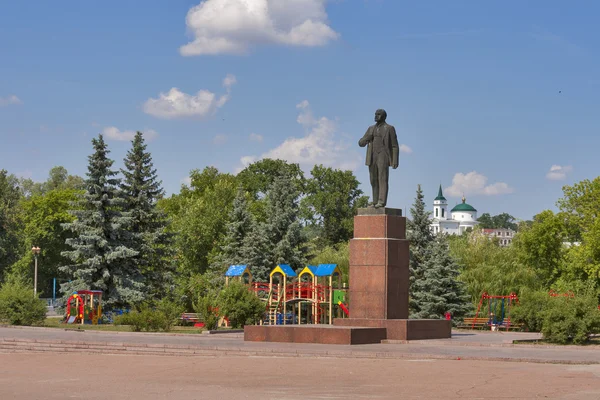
(141, 189)
(241, 223)
(102, 253)
(420, 236)
(438, 290)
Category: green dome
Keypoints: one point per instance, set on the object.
(463, 207)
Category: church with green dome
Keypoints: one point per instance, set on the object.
(460, 218)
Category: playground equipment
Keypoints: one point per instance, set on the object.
(84, 307)
(496, 320)
(315, 295)
(240, 272)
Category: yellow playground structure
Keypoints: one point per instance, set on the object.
(315, 295)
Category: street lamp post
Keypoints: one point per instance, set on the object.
(36, 251)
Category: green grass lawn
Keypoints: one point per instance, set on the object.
(57, 323)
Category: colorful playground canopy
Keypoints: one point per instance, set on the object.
(237, 270)
(283, 269)
(309, 269)
(327, 270)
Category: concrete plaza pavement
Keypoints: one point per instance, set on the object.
(133, 377)
(464, 345)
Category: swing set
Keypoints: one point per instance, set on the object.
(497, 317)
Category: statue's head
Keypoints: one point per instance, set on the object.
(380, 115)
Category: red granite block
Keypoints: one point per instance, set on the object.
(379, 226)
(304, 333)
(333, 335)
(368, 251)
(371, 278)
(282, 334)
(367, 335)
(255, 333)
(420, 329)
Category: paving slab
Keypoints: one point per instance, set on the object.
(464, 346)
(149, 377)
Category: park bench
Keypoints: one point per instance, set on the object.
(193, 318)
(472, 322)
(483, 322)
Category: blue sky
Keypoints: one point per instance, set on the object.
(499, 101)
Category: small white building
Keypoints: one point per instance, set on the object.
(504, 236)
(462, 217)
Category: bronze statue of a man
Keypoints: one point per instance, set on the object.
(382, 152)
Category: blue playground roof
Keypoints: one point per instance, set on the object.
(236, 270)
(287, 269)
(326, 269)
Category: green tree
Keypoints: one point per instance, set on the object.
(241, 223)
(279, 239)
(488, 267)
(101, 253)
(18, 306)
(500, 221)
(199, 215)
(240, 306)
(439, 291)
(540, 246)
(580, 206)
(10, 221)
(258, 177)
(332, 198)
(43, 219)
(58, 179)
(485, 221)
(148, 224)
(420, 236)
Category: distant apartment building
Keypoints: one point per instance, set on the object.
(504, 236)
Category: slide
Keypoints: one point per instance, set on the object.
(71, 319)
(344, 308)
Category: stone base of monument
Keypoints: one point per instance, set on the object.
(403, 329)
(351, 331)
(379, 288)
(323, 334)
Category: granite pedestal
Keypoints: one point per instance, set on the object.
(379, 279)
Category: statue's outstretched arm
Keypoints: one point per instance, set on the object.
(366, 139)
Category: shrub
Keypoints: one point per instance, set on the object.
(171, 312)
(18, 306)
(207, 309)
(161, 318)
(135, 319)
(560, 319)
(571, 319)
(240, 305)
(530, 310)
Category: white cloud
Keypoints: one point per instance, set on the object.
(475, 183)
(114, 133)
(176, 104)
(320, 145)
(10, 100)
(255, 137)
(219, 139)
(405, 149)
(234, 26)
(187, 181)
(558, 172)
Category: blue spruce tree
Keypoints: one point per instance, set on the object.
(148, 226)
(419, 234)
(438, 290)
(102, 253)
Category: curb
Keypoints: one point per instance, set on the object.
(62, 346)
